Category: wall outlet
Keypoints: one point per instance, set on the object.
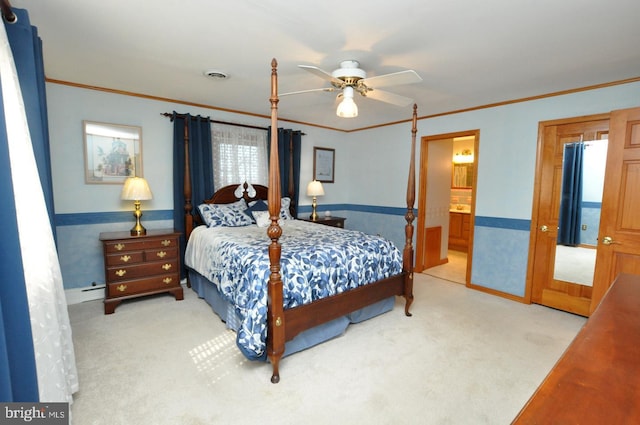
(584, 227)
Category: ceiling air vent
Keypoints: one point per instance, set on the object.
(215, 74)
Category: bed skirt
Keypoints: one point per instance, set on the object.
(225, 310)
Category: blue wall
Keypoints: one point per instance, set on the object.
(370, 174)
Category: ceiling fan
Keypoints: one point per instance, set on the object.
(350, 78)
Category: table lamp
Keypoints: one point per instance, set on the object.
(136, 189)
(314, 188)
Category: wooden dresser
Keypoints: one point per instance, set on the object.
(328, 221)
(597, 379)
(136, 266)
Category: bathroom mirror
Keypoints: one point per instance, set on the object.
(462, 176)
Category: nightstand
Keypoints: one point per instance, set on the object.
(328, 221)
(136, 266)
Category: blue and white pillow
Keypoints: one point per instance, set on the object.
(285, 209)
(225, 215)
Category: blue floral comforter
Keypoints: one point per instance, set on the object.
(317, 261)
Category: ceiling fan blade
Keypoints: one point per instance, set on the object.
(385, 96)
(393, 79)
(322, 74)
(327, 89)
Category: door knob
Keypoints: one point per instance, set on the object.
(544, 228)
(608, 240)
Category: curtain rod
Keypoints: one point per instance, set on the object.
(7, 13)
(166, 114)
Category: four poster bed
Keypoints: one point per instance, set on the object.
(277, 280)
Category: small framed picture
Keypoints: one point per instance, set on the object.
(112, 152)
(324, 160)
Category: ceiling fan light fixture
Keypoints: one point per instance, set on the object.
(347, 108)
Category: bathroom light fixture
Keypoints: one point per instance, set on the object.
(315, 189)
(466, 157)
(136, 189)
(347, 108)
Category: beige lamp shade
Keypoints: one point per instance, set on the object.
(314, 188)
(136, 189)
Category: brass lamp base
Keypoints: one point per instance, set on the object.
(138, 229)
(314, 214)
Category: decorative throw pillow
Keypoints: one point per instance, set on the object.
(285, 211)
(285, 204)
(225, 215)
(262, 218)
(254, 206)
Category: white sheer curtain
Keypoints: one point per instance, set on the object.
(53, 345)
(239, 155)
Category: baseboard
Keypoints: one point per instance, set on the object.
(80, 295)
(92, 293)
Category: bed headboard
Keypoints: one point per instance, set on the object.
(227, 194)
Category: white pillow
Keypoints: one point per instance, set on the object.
(262, 218)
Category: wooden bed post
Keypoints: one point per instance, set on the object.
(188, 207)
(407, 255)
(275, 317)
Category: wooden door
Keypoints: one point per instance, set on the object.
(619, 236)
(546, 287)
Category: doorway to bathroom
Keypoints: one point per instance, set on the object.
(446, 205)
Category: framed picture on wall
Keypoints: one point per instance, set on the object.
(324, 160)
(112, 152)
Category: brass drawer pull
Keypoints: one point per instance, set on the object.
(119, 246)
(121, 288)
(161, 254)
(166, 266)
(166, 242)
(167, 280)
(125, 258)
(121, 272)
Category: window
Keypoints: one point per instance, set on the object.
(239, 155)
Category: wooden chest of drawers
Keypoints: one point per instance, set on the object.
(136, 266)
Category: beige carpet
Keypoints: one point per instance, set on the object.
(465, 357)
